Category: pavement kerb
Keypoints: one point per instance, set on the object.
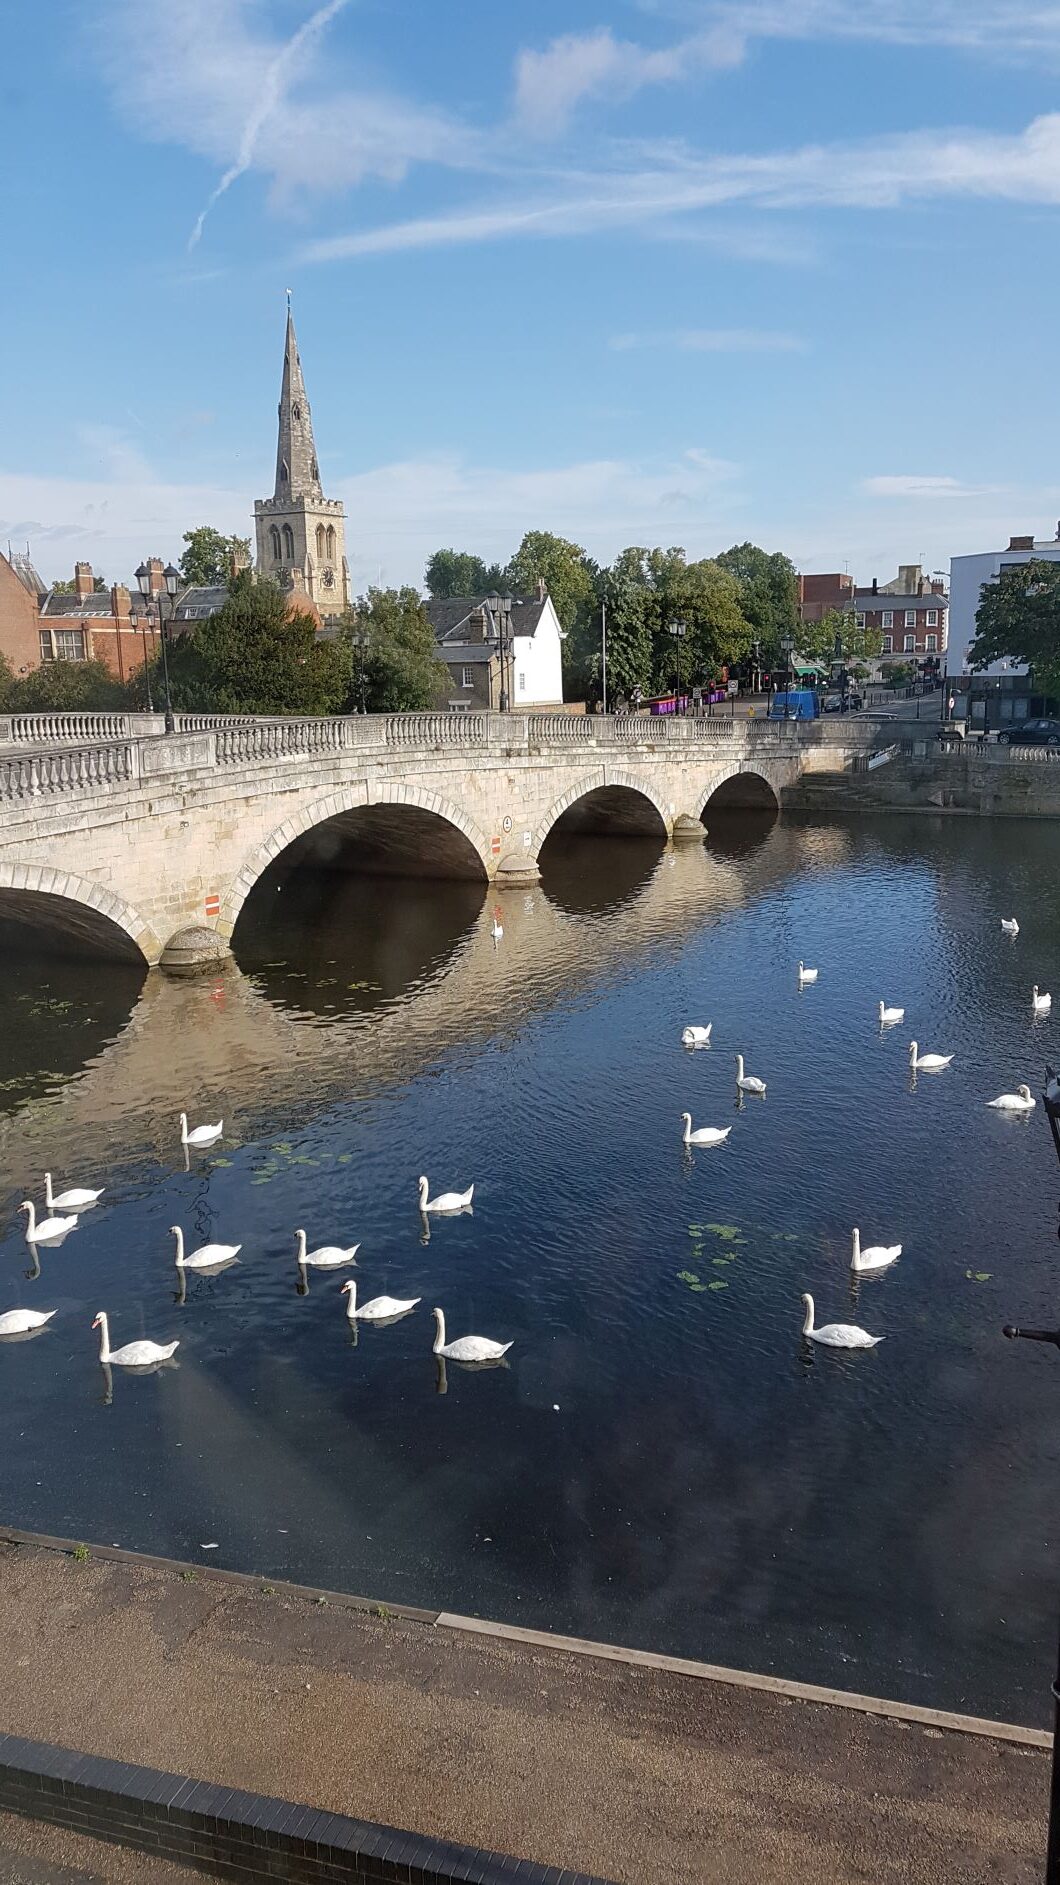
(942, 1720)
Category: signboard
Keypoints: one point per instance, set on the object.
(213, 904)
(507, 825)
(495, 846)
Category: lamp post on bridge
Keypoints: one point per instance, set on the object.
(787, 644)
(679, 629)
(171, 582)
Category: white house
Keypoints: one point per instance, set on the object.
(1000, 692)
(500, 650)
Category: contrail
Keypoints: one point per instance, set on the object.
(271, 93)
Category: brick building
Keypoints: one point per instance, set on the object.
(21, 594)
(819, 595)
(38, 624)
(910, 613)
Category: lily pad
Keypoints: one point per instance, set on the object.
(978, 1276)
(717, 1284)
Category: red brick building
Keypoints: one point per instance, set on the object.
(21, 594)
(911, 615)
(38, 624)
(819, 595)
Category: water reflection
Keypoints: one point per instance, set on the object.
(738, 834)
(585, 876)
(59, 1009)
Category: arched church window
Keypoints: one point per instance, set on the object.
(284, 472)
(316, 472)
(296, 412)
(322, 542)
(288, 543)
(274, 543)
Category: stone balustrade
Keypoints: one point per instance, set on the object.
(75, 769)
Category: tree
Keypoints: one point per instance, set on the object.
(253, 657)
(570, 577)
(207, 561)
(769, 595)
(458, 573)
(702, 596)
(66, 687)
(1018, 619)
(628, 638)
(100, 585)
(6, 681)
(403, 672)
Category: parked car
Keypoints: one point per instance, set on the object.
(833, 703)
(1031, 733)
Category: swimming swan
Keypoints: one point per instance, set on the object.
(704, 1135)
(466, 1347)
(696, 1037)
(876, 1257)
(134, 1354)
(836, 1334)
(328, 1257)
(1022, 1101)
(927, 1063)
(207, 1257)
(70, 1200)
(199, 1135)
(380, 1309)
(1010, 926)
(48, 1228)
(888, 1016)
(446, 1200)
(21, 1321)
(747, 1082)
(807, 975)
(1042, 1003)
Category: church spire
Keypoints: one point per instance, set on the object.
(297, 472)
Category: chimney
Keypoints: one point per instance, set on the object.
(541, 592)
(875, 586)
(1014, 543)
(83, 580)
(476, 625)
(238, 561)
(119, 602)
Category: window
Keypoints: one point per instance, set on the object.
(860, 618)
(931, 642)
(910, 618)
(322, 542)
(932, 618)
(274, 543)
(47, 653)
(69, 644)
(886, 645)
(288, 543)
(522, 682)
(888, 618)
(910, 644)
(466, 677)
(331, 543)
(284, 471)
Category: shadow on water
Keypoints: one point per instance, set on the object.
(63, 1003)
(591, 875)
(738, 833)
(334, 942)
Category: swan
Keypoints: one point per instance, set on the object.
(927, 1063)
(74, 1200)
(207, 1257)
(705, 1135)
(134, 1354)
(48, 1228)
(466, 1347)
(21, 1321)
(380, 1309)
(328, 1257)
(888, 1016)
(1010, 926)
(446, 1200)
(497, 930)
(1042, 1003)
(199, 1135)
(1022, 1101)
(696, 1037)
(807, 975)
(836, 1334)
(747, 1082)
(876, 1257)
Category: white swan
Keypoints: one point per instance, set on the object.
(927, 1063)
(207, 1257)
(1022, 1101)
(21, 1321)
(328, 1257)
(807, 975)
(466, 1347)
(74, 1200)
(747, 1082)
(876, 1257)
(446, 1200)
(134, 1354)
(836, 1334)
(379, 1309)
(199, 1135)
(1010, 926)
(1042, 1003)
(888, 1016)
(696, 1037)
(704, 1135)
(497, 930)
(48, 1229)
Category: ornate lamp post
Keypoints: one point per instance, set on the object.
(500, 636)
(679, 630)
(787, 644)
(171, 583)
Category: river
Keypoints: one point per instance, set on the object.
(662, 1460)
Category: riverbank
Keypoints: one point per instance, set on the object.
(634, 1773)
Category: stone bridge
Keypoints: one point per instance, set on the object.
(116, 833)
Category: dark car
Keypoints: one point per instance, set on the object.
(1031, 733)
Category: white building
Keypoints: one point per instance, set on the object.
(500, 650)
(1001, 692)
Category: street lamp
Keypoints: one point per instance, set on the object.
(679, 630)
(171, 583)
(500, 636)
(787, 644)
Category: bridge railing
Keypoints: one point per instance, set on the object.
(34, 775)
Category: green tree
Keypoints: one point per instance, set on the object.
(769, 595)
(100, 585)
(628, 638)
(459, 573)
(6, 681)
(1018, 619)
(403, 672)
(570, 578)
(703, 596)
(207, 561)
(66, 687)
(253, 657)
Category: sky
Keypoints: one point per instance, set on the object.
(635, 271)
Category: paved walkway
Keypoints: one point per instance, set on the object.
(642, 1777)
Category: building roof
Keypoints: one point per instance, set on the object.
(297, 471)
(197, 603)
(26, 571)
(870, 599)
(449, 615)
(99, 602)
(467, 653)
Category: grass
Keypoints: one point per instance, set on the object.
(80, 1554)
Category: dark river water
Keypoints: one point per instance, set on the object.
(662, 1461)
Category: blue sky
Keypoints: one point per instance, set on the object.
(677, 271)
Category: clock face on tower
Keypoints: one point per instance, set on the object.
(328, 579)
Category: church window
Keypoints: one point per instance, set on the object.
(322, 542)
(288, 543)
(316, 472)
(285, 472)
(331, 545)
(274, 543)
(296, 412)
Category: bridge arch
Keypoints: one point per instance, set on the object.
(473, 853)
(614, 796)
(67, 901)
(738, 787)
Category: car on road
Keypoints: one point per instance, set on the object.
(1031, 733)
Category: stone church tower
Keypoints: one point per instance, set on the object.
(301, 534)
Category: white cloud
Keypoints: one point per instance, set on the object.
(711, 340)
(910, 484)
(1008, 28)
(549, 84)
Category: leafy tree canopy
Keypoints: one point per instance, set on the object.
(207, 561)
(1018, 619)
(458, 573)
(818, 640)
(252, 657)
(402, 670)
(65, 687)
(769, 593)
(100, 585)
